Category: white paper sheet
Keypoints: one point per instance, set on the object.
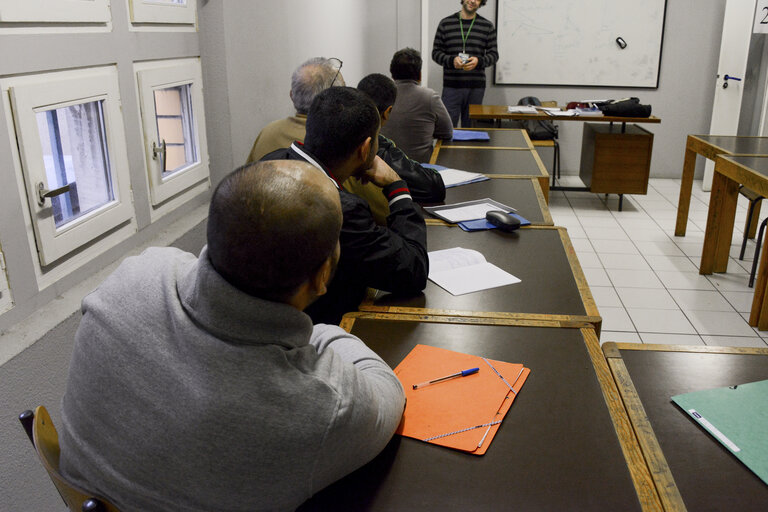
(460, 271)
(471, 212)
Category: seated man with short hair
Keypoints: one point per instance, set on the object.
(426, 185)
(199, 383)
(313, 76)
(341, 142)
(419, 115)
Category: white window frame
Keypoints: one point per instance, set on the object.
(55, 11)
(146, 11)
(162, 75)
(55, 90)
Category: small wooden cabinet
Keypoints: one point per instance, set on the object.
(616, 159)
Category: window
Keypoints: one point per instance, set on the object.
(73, 158)
(164, 11)
(174, 126)
(53, 11)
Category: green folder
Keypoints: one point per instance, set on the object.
(737, 416)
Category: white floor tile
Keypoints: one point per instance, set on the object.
(620, 337)
(672, 263)
(671, 339)
(661, 321)
(701, 300)
(646, 298)
(624, 261)
(634, 278)
(734, 341)
(605, 296)
(596, 277)
(720, 323)
(616, 319)
(589, 260)
(582, 244)
(656, 248)
(730, 282)
(647, 235)
(741, 301)
(614, 246)
(604, 233)
(692, 249)
(684, 280)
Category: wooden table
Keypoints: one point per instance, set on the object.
(690, 468)
(525, 195)
(730, 172)
(520, 163)
(566, 443)
(499, 138)
(552, 287)
(710, 146)
(604, 149)
(499, 112)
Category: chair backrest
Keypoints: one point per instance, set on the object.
(45, 439)
(537, 130)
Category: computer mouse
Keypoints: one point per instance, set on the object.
(502, 220)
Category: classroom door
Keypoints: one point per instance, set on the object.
(734, 49)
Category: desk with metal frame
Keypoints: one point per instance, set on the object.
(689, 467)
(566, 443)
(710, 146)
(552, 287)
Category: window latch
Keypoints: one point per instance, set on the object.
(159, 150)
(43, 193)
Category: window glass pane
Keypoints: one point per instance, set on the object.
(75, 153)
(175, 126)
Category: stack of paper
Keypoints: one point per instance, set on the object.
(459, 271)
(467, 210)
(522, 109)
(589, 112)
(455, 177)
(463, 413)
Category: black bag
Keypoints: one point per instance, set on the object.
(537, 130)
(628, 107)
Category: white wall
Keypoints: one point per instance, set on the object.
(683, 99)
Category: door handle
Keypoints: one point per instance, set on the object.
(728, 77)
(43, 193)
(159, 150)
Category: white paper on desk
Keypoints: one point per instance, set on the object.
(460, 271)
(471, 212)
(521, 109)
(453, 177)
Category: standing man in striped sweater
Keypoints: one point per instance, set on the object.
(465, 44)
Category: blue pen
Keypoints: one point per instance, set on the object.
(457, 374)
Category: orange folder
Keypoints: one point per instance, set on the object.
(463, 413)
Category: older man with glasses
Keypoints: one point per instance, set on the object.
(309, 79)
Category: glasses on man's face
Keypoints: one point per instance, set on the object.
(338, 68)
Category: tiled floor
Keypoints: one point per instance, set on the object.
(645, 280)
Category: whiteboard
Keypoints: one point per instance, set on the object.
(574, 42)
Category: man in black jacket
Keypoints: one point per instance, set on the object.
(342, 141)
(426, 185)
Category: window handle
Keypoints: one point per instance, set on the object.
(42, 193)
(159, 150)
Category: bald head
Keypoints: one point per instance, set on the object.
(311, 78)
(271, 226)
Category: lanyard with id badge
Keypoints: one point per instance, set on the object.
(463, 55)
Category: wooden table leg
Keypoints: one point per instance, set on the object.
(720, 219)
(686, 185)
(758, 317)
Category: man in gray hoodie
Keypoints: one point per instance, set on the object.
(199, 383)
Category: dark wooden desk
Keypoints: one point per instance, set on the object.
(710, 146)
(690, 467)
(552, 284)
(500, 162)
(501, 112)
(500, 138)
(525, 195)
(566, 443)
